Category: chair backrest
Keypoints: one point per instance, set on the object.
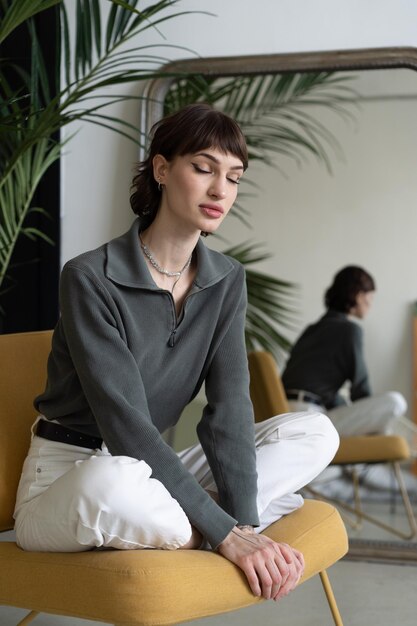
(266, 388)
(23, 358)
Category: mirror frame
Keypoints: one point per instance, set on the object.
(151, 107)
(151, 110)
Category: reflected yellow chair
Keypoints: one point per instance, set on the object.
(127, 588)
(268, 398)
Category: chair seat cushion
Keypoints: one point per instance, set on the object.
(371, 449)
(151, 587)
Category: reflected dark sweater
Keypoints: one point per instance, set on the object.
(123, 367)
(327, 354)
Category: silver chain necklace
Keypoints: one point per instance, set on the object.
(160, 269)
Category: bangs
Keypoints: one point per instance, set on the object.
(220, 133)
(198, 127)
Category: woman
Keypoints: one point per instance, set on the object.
(329, 353)
(145, 320)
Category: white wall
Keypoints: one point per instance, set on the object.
(312, 221)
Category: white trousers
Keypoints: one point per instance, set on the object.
(380, 413)
(72, 499)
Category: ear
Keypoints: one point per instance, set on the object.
(160, 167)
(360, 297)
(356, 307)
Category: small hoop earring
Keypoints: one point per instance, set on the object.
(159, 186)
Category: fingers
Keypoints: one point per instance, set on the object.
(295, 567)
(264, 576)
(289, 571)
(272, 569)
(300, 559)
(293, 557)
(269, 574)
(253, 579)
(279, 572)
(299, 563)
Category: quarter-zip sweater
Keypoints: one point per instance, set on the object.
(123, 366)
(326, 355)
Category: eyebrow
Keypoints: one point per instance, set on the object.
(215, 160)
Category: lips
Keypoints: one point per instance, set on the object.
(212, 210)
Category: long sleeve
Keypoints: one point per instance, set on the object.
(226, 430)
(360, 386)
(113, 387)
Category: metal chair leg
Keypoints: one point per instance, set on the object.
(370, 518)
(337, 618)
(29, 617)
(357, 497)
(406, 499)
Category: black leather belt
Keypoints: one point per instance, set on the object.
(57, 432)
(303, 396)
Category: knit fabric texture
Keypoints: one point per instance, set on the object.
(123, 366)
(327, 354)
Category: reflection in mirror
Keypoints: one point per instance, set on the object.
(358, 207)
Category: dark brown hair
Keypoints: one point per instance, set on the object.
(348, 282)
(193, 128)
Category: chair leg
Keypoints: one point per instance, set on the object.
(29, 617)
(337, 618)
(406, 500)
(357, 497)
(370, 518)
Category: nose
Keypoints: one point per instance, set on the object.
(218, 189)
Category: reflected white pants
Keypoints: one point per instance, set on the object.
(380, 413)
(72, 499)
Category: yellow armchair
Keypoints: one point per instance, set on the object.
(127, 588)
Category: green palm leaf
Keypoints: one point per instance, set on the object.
(15, 13)
(272, 303)
(31, 117)
(272, 110)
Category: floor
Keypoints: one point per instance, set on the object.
(367, 593)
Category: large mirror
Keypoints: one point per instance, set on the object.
(359, 209)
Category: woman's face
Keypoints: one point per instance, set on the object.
(198, 189)
(364, 300)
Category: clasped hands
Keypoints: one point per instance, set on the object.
(272, 569)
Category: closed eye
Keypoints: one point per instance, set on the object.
(201, 170)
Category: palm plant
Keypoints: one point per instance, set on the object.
(106, 52)
(271, 302)
(33, 113)
(274, 112)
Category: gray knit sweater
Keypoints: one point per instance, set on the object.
(326, 355)
(123, 367)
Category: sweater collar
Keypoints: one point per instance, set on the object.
(333, 314)
(126, 265)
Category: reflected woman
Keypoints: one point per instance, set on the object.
(329, 354)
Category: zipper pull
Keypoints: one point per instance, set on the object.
(171, 341)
